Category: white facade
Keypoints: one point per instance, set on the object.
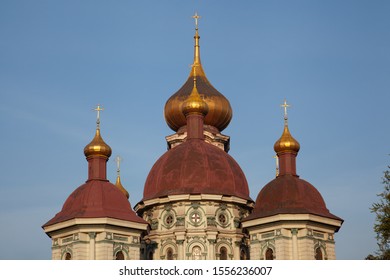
(195, 227)
(292, 237)
(95, 239)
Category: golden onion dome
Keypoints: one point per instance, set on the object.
(97, 147)
(286, 143)
(194, 103)
(118, 184)
(220, 112)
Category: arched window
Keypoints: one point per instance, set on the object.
(223, 253)
(196, 253)
(68, 257)
(318, 255)
(269, 254)
(170, 254)
(119, 256)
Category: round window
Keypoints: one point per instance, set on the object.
(222, 218)
(195, 217)
(169, 220)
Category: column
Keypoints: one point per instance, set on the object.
(180, 249)
(212, 249)
(92, 236)
(294, 233)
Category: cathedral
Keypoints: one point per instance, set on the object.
(196, 203)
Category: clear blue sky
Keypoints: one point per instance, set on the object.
(58, 59)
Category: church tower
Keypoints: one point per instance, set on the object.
(290, 220)
(96, 221)
(196, 195)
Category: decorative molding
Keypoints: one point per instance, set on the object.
(154, 224)
(67, 239)
(318, 234)
(168, 207)
(211, 222)
(223, 206)
(268, 235)
(120, 237)
(237, 222)
(180, 221)
(195, 205)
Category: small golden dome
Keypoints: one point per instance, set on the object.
(97, 147)
(118, 184)
(194, 103)
(286, 143)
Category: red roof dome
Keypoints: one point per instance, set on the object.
(287, 194)
(196, 167)
(96, 199)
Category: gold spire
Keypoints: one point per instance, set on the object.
(197, 64)
(118, 183)
(97, 147)
(194, 103)
(286, 142)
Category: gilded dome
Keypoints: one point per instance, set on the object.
(119, 185)
(286, 143)
(97, 147)
(194, 103)
(220, 112)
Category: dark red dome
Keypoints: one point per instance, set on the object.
(96, 199)
(196, 167)
(287, 194)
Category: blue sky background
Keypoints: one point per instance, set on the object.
(59, 59)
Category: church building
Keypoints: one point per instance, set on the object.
(196, 203)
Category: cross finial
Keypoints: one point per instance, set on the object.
(118, 161)
(196, 17)
(98, 109)
(285, 106)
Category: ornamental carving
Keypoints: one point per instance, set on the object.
(211, 222)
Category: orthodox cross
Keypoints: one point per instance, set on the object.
(98, 109)
(196, 17)
(285, 106)
(118, 161)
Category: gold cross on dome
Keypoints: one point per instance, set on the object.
(118, 161)
(196, 17)
(285, 106)
(98, 109)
